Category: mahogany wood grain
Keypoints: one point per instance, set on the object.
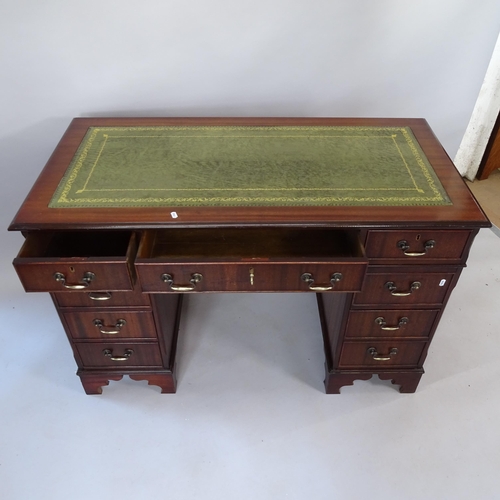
(106, 255)
(407, 380)
(333, 313)
(167, 311)
(143, 354)
(416, 323)
(224, 243)
(166, 381)
(106, 299)
(93, 382)
(38, 275)
(356, 354)
(137, 324)
(250, 259)
(237, 277)
(449, 245)
(35, 214)
(433, 288)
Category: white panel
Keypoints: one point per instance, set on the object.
(475, 140)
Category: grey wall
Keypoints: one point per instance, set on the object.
(61, 59)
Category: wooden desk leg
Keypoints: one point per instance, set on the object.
(166, 381)
(94, 382)
(407, 381)
(334, 381)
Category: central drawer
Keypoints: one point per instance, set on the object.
(251, 260)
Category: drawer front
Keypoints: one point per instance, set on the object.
(118, 355)
(65, 261)
(381, 354)
(390, 323)
(405, 289)
(102, 299)
(110, 325)
(252, 277)
(64, 276)
(416, 245)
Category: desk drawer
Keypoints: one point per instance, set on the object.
(251, 277)
(404, 289)
(102, 299)
(250, 260)
(416, 245)
(80, 260)
(119, 355)
(110, 325)
(390, 323)
(381, 354)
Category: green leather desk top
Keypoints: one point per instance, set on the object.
(156, 166)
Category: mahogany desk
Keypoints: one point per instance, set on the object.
(117, 262)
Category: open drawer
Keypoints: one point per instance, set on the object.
(69, 261)
(251, 260)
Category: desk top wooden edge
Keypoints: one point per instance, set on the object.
(35, 214)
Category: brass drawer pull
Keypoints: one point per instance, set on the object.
(195, 279)
(100, 295)
(87, 278)
(404, 246)
(110, 330)
(383, 325)
(374, 354)
(126, 355)
(393, 289)
(308, 278)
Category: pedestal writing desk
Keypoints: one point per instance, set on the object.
(130, 214)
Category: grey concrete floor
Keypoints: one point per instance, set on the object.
(250, 419)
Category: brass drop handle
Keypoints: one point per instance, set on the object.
(393, 289)
(195, 279)
(100, 295)
(383, 325)
(375, 355)
(309, 279)
(110, 330)
(126, 355)
(87, 278)
(404, 246)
